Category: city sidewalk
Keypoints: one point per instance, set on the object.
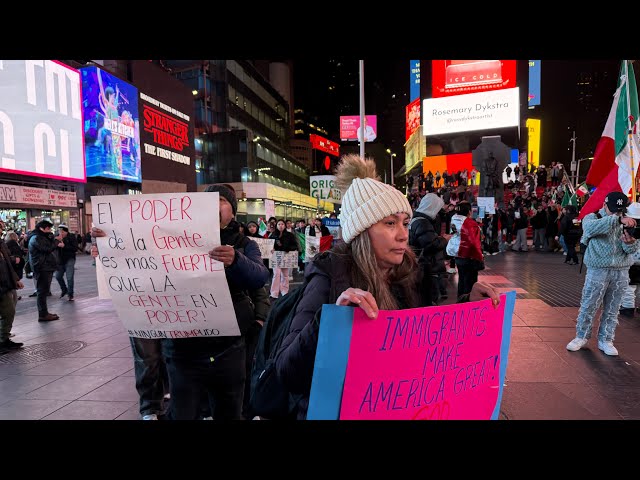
(80, 367)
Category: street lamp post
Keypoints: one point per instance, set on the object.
(391, 155)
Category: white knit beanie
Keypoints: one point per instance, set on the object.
(366, 202)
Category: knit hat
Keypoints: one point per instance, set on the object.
(430, 205)
(366, 201)
(225, 192)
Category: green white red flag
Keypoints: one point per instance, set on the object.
(611, 168)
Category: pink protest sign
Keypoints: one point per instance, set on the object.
(433, 363)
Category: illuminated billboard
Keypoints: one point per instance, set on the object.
(324, 145)
(459, 77)
(350, 127)
(534, 82)
(111, 126)
(414, 79)
(533, 149)
(475, 111)
(412, 118)
(41, 120)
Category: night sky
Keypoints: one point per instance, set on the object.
(566, 103)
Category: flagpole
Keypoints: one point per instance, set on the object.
(630, 121)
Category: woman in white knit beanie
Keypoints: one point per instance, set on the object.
(374, 269)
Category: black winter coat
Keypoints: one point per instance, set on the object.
(247, 272)
(424, 238)
(41, 252)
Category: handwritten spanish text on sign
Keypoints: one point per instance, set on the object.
(157, 267)
(434, 363)
(265, 244)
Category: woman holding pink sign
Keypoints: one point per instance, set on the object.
(373, 269)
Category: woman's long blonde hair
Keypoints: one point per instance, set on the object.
(366, 273)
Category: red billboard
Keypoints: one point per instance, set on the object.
(412, 117)
(458, 77)
(324, 145)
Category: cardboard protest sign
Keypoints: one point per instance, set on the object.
(489, 204)
(265, 244)
(156, 264)
(432, 363)
(284, 259)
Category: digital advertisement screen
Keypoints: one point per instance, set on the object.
(111, 126)
(475, 111)
(350, 127)
(412, 118)
(534, 82)
(166, 128)
(324, 145)
(459, 77)
(41, 120)
(414, 79)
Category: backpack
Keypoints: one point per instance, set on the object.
(269, 398)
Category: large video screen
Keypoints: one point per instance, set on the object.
(475, 111)
(111, 126)
(460, 77)
(41, 120)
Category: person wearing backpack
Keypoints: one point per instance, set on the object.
(429, 247)
(608, 256)
(373, 269)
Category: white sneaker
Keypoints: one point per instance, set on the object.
(451, 270)
(167, 396)
(151, 416)
(608, 348)
(577, 343)
(564, 253)
(207, 418)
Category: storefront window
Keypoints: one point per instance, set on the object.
(15, 220)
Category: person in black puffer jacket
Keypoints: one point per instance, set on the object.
(429, 247)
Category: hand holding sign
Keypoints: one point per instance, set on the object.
(480, 291)
(224, 253)
(360, 298)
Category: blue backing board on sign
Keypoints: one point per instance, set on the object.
(504, 346)
(332, 355)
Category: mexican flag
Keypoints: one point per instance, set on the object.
(262, 227)
(582, 190)
(310, 245)
(569, 200)
(611, 168)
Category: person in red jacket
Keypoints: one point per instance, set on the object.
(466, 247)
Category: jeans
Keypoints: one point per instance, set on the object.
(69, 268)
(539, 240)
(220, 376)
(602, 286)
(563, 244)
(521, 240)
(7, 313)
(152, 379)
(43, 285)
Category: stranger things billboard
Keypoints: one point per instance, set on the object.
(166, 125)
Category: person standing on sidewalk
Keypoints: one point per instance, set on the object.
(9, 282)
(609, 254)
(66, 261)
(44, 263)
